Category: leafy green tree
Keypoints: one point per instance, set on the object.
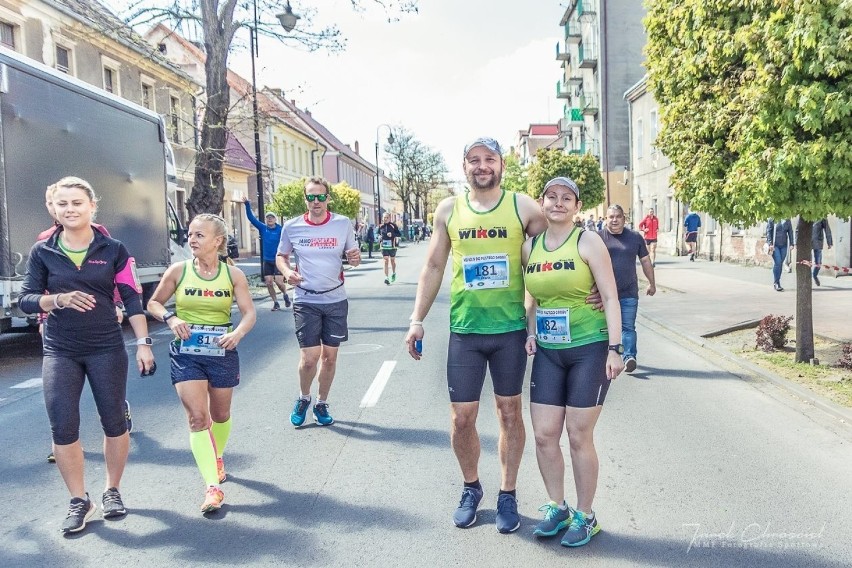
(289, 200)
(584, 169)
(756, 113)
(514, 175)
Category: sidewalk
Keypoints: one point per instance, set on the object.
(705, 297)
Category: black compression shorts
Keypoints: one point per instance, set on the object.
(468, 355)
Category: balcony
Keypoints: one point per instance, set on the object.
(588, 55)
(562, 55)
(572, 32)
(571, 118)
(562, 90)
(586, 8)
(589, 104)
(578, 151)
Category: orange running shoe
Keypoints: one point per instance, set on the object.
(212, 500)
(220, 469)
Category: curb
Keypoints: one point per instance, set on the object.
(841, 413)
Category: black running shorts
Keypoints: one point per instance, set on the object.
(321, 324)
(574, 377)
(469, 354)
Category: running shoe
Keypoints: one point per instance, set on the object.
(287, 301)
(276, 306)
(79, 512)
(555, 519)
(465, 514)
(300, 409)
(393, 277)
(387, 281)
(112, 504)
(816, 280)
(630, 364)
(51, 458)
(508, 520)
(212, 500)
(581, 530)
(321, 415)
(220, 470)
(128, 417)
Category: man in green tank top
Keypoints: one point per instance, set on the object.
(484, 229)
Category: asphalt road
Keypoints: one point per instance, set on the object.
(698, 467)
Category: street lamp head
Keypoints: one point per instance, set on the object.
(288, 19)
(390, 138)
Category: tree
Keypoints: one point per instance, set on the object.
(219, 21)
(756, 113)
(584, 169)
(416, 171)
(514, 174)
(289, 200)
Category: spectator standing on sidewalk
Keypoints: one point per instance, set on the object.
(692, 223)
(779, 236)
(271, 234)
(487, 319)
(649, 227)
(820, 236)
(370, 238)
(625, 246)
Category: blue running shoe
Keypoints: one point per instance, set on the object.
(508, 520)
(465, 514)
(581, 530)
(300, 410)
(321, 415)
(555, 519)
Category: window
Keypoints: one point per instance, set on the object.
(109, 80)
(63, 59)
(7, 35)
(161, 47)
(653, 127)
(276, 151)
(147, 96)
(640, 138)
(174, 119)
(284, 155)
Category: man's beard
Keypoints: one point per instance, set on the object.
(494, 182)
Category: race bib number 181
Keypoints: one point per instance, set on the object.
(486, 271)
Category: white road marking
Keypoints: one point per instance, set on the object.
(28, 384)
(375, 391)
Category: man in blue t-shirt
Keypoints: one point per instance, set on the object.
(692, 223)
(271, 234)
(625, 246)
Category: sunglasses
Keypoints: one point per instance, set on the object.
(321, 197)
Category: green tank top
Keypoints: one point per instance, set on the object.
(487, 292)
(206, 302)
(560, 281)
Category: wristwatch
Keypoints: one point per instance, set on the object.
(168, 315)
(144, 341)
(617, 348)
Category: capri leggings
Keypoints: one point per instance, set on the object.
(63, 377)
(469, 354)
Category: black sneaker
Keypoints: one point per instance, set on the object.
(287, 301)
(51, 458)
(276, 306)
(113, 506)
(128, 417)
(816, 280)
(79, 512)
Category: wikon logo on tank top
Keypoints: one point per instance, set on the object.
(484, 233)
(206, 292)
(318, 242)
(549, 266)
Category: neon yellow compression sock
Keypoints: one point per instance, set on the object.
(221, 433)
(204, 451)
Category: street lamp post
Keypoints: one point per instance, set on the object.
(288, 21)
(378, 200)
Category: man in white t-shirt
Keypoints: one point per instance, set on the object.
(319, 239)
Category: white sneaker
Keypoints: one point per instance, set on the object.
(630, 364)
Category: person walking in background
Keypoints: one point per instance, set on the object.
(487, 319)
(320, 239)
(779, 236)
(818, 241)
(649, 226)
(371, 238)
(590, 223)
(625, 246)
(78, 267)
(578, 352)
(270, 233)
(691, 223)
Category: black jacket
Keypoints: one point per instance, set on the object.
(67, 331)
(819, 228)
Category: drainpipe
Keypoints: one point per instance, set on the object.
(603, 60)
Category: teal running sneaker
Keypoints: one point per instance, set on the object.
(465, 514)
(555, 519)
(321, 415)
(581, 530)
(393, 277)
(300, 410)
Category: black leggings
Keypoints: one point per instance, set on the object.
(63, 378)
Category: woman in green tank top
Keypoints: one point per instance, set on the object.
(577, 353)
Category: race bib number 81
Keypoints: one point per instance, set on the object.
(486, 271)
(552, 325)
(203, 340)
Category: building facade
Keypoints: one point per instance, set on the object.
(536, 137)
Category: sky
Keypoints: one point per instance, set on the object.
(457, 70)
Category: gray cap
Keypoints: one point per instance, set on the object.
(271, 214)
(566, 181)
(489, 143)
